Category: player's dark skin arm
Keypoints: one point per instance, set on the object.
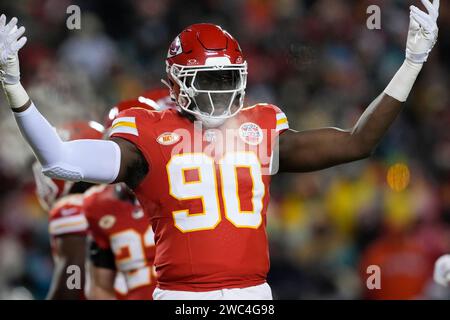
(102, 273)
(309, 150)
(133, 166)
(102, 283)
(300, 151)
(68, 250)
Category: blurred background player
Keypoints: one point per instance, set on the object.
(122, 241)
(67, 224)
(154, 99)
(64, 200)
(122, 236)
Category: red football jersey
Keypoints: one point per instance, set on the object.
(66, 216)
(120, 225)
(207, 193)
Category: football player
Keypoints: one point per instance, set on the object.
(155, 99)
(67, 224)
(203, 167)
(122, 241)
(122, 237)
(64, 201)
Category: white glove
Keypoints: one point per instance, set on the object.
(11, 41)
(423, 31)
(442, 270)
(422, 36)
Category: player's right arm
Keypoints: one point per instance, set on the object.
(96, 161)
(102, 273)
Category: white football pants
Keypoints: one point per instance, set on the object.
(260, 292)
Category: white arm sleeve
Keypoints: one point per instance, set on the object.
(96, 161)
(403, 81)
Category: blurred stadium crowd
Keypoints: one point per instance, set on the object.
(319, 62)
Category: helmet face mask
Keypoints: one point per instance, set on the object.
(211, 93)
(207, 73)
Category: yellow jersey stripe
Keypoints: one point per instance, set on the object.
(124, 119)
(281, 121)
(123, 129)
(282, 126)
(124, 124)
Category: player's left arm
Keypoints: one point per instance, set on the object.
(325, 147)
(68, 250)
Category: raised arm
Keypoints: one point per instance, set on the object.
(97, 161)
(325, 147)
(311, 150)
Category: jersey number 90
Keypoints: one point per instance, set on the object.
(205, 188)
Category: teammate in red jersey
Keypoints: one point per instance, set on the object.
(67, 224)
(123, 241)
(154, 99)
(204, 186)
(122, 251)
(63, 200)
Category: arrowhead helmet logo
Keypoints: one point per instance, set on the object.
(175, 48)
